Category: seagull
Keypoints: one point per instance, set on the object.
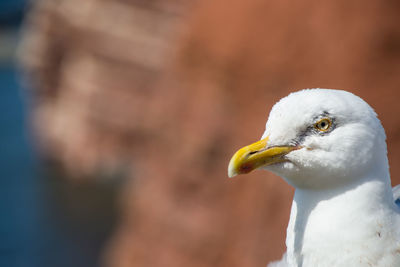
(330, 145)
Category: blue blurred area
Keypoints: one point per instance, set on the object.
(20, 230)
(19, 190)
(45, 220)
(11, 11)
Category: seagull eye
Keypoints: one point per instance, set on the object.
(323, 125)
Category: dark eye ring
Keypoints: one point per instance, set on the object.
(323, 125)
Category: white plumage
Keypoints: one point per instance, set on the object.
(330, 145)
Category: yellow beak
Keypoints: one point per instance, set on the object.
(257, 155)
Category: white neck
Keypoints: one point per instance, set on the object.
(331, 225)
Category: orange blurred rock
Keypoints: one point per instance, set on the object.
(94, 68)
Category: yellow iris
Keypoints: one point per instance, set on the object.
(323, 125)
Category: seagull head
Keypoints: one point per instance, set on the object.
(316, 138)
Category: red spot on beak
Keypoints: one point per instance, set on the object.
(246, 168)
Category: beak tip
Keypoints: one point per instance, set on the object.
(232, 167)
(231, 175)
(231, 171)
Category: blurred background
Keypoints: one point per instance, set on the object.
(120, 117)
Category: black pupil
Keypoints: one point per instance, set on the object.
(323, 124)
